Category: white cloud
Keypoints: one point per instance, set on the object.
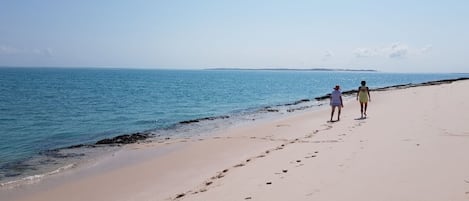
(8, 50)
(397, 50)
(365, 52)
(327, 55)
(426, 49)
(393, 51)
(43, 52)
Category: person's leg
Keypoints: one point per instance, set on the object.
(332, 113)
(366, 105)
(361, 108)
(338, 116)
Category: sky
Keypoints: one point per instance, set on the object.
(389, 36)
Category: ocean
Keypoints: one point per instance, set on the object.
(44, 109)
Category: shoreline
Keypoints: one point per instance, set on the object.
(141, 136)
(227, 137)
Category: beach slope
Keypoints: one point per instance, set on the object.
(414, 145)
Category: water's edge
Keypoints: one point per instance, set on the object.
(141, 136)
(138, 137)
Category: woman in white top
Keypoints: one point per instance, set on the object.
(336, 101)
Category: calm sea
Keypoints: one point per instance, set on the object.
(48, 108)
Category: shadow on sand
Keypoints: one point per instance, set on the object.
(361, 118)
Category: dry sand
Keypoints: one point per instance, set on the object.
(414, 145)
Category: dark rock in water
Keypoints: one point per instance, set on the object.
(203, 119)
(124, 139)
(18, 165)
(301, 101)
(65, 152)
(189, 121)
(269, 109)
(78, 146)
(55, 153)
(300, 108)
(12, 174)
(323, 97)
(296, 102)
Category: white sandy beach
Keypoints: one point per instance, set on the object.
(414, 145)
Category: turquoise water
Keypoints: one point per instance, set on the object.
(48, 108)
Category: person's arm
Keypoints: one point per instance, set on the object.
(341, 103)
(368, 91)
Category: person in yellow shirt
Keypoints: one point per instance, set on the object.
(363, 96)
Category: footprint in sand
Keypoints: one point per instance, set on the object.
(328, 126)
(180, 195)
(298, 162)
(278, 148)
(312, 156)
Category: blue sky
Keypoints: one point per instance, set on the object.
(391, 36)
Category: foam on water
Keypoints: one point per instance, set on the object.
(34, 178)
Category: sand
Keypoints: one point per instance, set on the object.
(414, 145)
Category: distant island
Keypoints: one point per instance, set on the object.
(298, 69)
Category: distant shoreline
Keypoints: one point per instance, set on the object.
(298, 69)
(240, 69)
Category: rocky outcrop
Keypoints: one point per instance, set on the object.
(124, 139)
(203, 119)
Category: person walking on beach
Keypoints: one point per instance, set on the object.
(336, 101)
(363, 96)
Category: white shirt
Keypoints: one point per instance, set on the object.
(335, 97)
